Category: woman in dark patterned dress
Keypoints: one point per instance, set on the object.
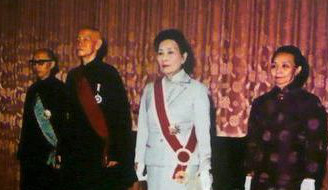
(287, 134)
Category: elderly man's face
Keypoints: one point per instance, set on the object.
(87, 43)
(42, 69)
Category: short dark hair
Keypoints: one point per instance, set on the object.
(184, 46)
(301, 78)
(51, 56)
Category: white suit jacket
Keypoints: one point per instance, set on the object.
(187, 105)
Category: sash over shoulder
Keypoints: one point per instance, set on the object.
(183, 153)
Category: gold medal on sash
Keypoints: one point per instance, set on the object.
(181, 177)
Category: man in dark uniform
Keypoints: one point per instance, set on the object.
(99, 152)
(44, 121)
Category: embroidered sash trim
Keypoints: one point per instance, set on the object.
(183, 153)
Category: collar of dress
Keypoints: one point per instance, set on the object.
(180, 77)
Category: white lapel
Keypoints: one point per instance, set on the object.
(179, 84)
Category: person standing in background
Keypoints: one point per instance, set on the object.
(44, 120)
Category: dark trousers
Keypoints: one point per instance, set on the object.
(228, 163)
(38, 176)
(77, 175)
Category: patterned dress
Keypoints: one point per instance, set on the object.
(286, 139)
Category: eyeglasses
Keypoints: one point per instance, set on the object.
(39, 62)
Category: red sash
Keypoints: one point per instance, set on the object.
(183, 153)
(91, 108)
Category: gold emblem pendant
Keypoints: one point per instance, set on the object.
(181, 177)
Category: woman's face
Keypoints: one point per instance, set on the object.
(283, 69)
(169, 58)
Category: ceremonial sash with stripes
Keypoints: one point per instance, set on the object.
(46, 128)
(183, 154)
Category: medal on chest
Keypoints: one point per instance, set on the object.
(97, 96)
(173, 129)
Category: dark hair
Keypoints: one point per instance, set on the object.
(51, 56)
(184, 46)
(301, 78)
(102, 51)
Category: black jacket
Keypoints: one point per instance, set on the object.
(33, 146)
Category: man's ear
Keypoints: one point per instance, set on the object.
(298, 70)
(185, 55)
(52, 64)
(98, 44)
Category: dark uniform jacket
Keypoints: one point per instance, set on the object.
(34, 149)
(286, 139)
(84, 147)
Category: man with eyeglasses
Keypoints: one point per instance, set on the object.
(100, 152)
(44, 119)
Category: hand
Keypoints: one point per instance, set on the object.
(140, 168)
(108, 163)
(206, 180)
(111, 164)
(308, 184)
(248, 182)
(57, 163)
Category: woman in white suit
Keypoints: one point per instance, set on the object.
(173, 139)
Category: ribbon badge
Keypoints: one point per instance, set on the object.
(183, 157)
(97, 96)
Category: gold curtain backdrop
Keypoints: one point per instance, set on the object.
(233, 41)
